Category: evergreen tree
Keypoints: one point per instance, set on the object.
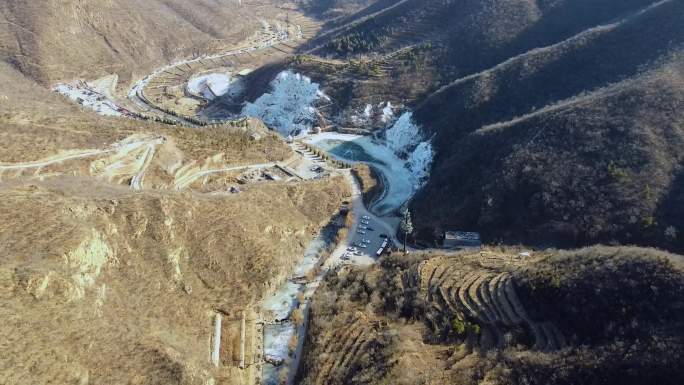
(406, 225)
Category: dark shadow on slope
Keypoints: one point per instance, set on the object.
(542, 78)
(670, 230)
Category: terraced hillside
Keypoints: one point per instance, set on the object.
(500, 318)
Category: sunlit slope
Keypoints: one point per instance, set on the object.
(56, 40)
(100, 284)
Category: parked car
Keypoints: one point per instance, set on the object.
(383, 236)
(357, 253)
(370, 229)
(361, 232)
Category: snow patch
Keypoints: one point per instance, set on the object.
(81, 93)
(289, 107)
(210, 86)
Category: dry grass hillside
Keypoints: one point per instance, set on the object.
(371, 185)
(605, 315)
(53, 40)
(103, 285)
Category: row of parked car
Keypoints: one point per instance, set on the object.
(364, 225)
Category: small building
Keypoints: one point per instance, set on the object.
(462, 240)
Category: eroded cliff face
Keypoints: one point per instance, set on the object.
(110, 286)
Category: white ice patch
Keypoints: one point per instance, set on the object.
(420, 161)
(387, 113)
(87, 97)
(210, 86)
(276, 339)
(289, 107)
(404, 135)
(405, 139)
(281, 304)
(368, 111)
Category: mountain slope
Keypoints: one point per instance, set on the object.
(61, 40)
(596, 164)
(602, 315)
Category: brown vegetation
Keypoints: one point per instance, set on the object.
(499, 318)
(371, 185)
(108, 285)
(51, 41)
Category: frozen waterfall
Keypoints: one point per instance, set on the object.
(289, 107)
(403, 135)
(405, 139)
(420, 161)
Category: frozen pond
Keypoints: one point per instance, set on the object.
(400, 182)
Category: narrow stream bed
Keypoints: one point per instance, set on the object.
(279, 328)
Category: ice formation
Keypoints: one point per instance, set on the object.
(368, 111)
(420, 161)
(387, 113)
(210, 86)
(403, 135)
(405, 139)
(289, 107)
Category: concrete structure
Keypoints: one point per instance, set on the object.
(462, 240)
(217, 341)
(243, 330)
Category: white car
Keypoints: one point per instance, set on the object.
(363, 227)
(361, 232)
(366, 217)
(358, 253)
(366, 241)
